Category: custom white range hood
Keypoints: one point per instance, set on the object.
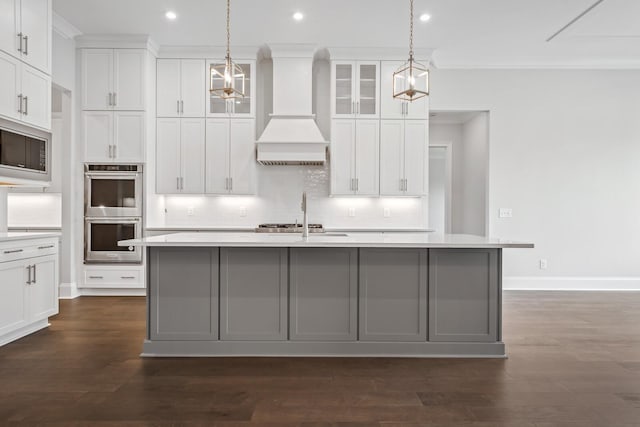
(292, 136)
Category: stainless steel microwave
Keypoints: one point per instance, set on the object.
(25, 153)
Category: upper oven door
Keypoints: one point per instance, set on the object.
(102, 237)
(109, 194)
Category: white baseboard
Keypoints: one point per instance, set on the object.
(93, 292)
(571, 283)
(69, 291)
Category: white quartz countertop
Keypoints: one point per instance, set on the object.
(16, 236)
(358, 240)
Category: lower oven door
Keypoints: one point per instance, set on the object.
(102, 236)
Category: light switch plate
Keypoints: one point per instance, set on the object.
(352, 212)
(506, 213)
(243, 211)
(190, 211)
(387, 212)
(543, 264)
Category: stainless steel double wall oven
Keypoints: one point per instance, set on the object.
(113, 212)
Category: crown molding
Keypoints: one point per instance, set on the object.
(378, 53)
(122, 41)
(213, 52)
(64, 28)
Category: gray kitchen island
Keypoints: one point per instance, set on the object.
(362, 294)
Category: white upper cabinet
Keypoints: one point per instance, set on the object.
(403, 152)
(355, 157)
(241, 107)
(355, 89)
(391, 108)
(114, 136)
(25, 93)
(181, 88)
(230, 151)
(113, 79)
(25, 31)
(180, 156)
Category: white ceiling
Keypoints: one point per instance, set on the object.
(464, 33)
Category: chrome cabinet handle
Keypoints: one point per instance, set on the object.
(34, 273)
(128, 277)
(46, 247)
(178, 106)
(182, 107)
(115, 99)
(177, 183)
(29, 275)
(20, 41)
(357, 184)
(26, 105)
(26, 45)
(15, 251)
(20, 103)
(96, 277)
(231, 183)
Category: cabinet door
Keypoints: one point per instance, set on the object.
(36, 89)
(367, 148)
(246, 106)
(9, 87)
(216, 106)
(13, 296)
(418, 109)
(192, 153)
(393, 294)
(416, 152)
(168, 156)
(129, 79)
(391, 157)
(253, 294)
(368, 89)
(97, 129)
(343, 75)
(217, 155)
(463, 295)
(43, 290)
(323, 281)
(9, 24)
(37, 28)
(97, 78)
(183, 294)
(390, 108)
(242, 161)
(129, 134)
(343, 135)
(168, 87)
(194, 91)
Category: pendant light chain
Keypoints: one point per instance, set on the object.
(411, 32)
(229, 28)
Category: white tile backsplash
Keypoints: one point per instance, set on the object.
(35, 210)
(279, 195)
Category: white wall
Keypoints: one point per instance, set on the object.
(475, 159)
(452, 133)
(63, 61)
(564, 155)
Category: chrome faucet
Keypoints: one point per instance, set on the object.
(305, 219)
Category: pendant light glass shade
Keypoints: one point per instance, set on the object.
(227, 79)
(411, 80)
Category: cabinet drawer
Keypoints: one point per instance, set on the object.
(31, 250)
(103, 278)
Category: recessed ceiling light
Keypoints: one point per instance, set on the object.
(298, 16)
(171, 15)
(425, 17)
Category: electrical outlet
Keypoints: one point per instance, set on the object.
(190, 211)
(506, 213)
(387, 212)
(543, 264)
(352, 212)
(243, 211)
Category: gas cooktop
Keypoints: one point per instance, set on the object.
(288, 228)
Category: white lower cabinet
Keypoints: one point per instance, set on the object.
(180, 156)
(25, 93)
(355, 157)
(230, 156)
(113, 277)
(114, 136)
(28, 287)
(404, 148)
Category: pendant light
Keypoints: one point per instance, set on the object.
(411, 80)
(227, 79)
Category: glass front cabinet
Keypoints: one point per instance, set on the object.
(355, 89)
(240, 107)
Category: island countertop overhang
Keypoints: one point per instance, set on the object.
(328, 240)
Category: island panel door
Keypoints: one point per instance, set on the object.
(324, 288)
(183, 294)
(393, 295)
(463, 295)
(253, 294)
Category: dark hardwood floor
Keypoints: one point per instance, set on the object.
(574, 360)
